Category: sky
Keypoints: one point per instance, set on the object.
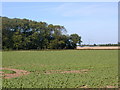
(95, 22)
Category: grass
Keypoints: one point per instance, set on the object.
(8, 71)
(102, 65)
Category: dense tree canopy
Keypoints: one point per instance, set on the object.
(26, 34)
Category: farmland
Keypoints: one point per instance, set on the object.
(62, 68)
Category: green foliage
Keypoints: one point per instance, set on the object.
(102, 65)
(17, 40)
(26, 34)
(74, 39)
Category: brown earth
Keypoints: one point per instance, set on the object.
(17, 74)
(1, 72)
(111, 87)
(71, 71)
(84, 86)
(100, 87)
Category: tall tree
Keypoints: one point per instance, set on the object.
(74, 40)
(17, 40)
(27, 34)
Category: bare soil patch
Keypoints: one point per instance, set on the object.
(111, 87)
(70, 71)
(13, 75)
(84, 86)
(1, 72)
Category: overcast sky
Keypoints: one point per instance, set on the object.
(95, 22)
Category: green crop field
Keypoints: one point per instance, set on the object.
(62, 69)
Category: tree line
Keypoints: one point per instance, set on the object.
(110, 44)
(102, 44)
(25, 34)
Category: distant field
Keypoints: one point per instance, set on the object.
(99, 48)
(60, 69)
